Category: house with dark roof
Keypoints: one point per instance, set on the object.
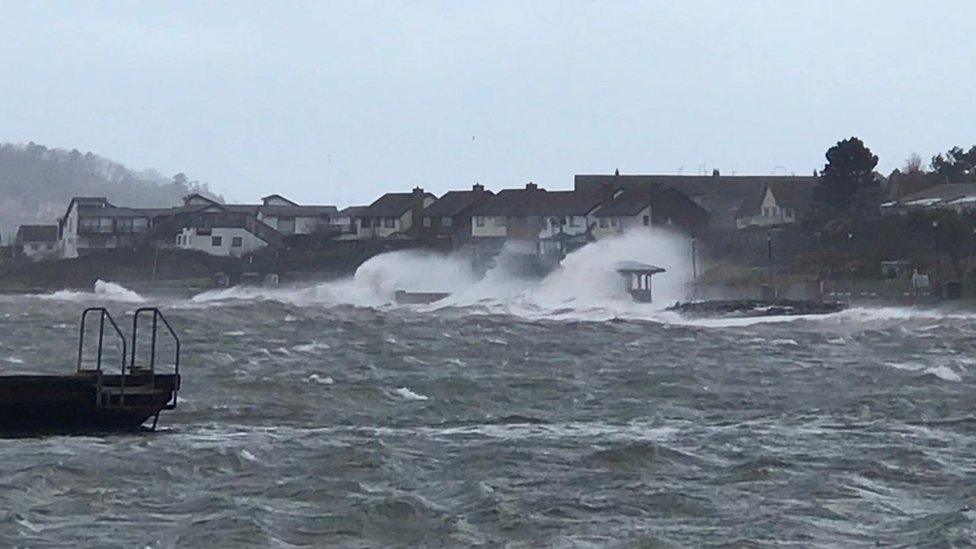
(721, 196)
(93, 223)
(778, 203)
(201, 223)
(450, 216)
(549, 220)
(222, 230)
(393, 215)
(627, 209)
(36, 242)
(345, 221)
(289, 218)
(533, 212)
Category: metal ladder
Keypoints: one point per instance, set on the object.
(135, 381)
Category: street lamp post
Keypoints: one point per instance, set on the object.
(850, 240)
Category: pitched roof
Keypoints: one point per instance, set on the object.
(270, 197)
(298, 211)
(391, 205)
(627, 203)
(527, 202)
(352, 211)
(787, 194)
(943, 193)
(720, 195)
(794, 194)
(455, 202)
(37, 233)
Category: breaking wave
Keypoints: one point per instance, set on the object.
(584, 285)
(102, 291)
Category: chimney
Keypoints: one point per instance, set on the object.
(530, 186)
(616, 172)
(418, 208)
(478, 188)
(715, 173)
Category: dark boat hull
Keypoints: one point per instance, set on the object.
(35, 404)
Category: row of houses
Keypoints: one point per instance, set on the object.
(549, 221)
(955, 197)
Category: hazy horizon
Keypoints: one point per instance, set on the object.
(341, 103)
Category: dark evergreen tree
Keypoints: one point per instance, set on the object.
(956, 165)
(847, 178)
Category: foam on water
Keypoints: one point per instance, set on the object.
(103, 291)
(584, 286)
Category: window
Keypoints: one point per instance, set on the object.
(614, 221)
(573, 221)
(376, 222)
(88, 225)
(479, 220)
(139, 224)
(50, 246)
(603, 223)
(389, 222)
(286, 225)
(647, 221)
(237, 242)
(428, 221)
(447, 222)
(216, 241)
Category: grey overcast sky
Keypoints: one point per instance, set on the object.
(339, 102)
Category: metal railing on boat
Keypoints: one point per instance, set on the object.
(104, 393)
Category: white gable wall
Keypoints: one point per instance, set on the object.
(188, 239)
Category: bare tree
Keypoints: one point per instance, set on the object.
(913, 164)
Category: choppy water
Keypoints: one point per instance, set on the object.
(306, 421)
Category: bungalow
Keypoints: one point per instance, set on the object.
(957, 197)
(779, 203)
(450, 216)
(36, 242)
(393, 215)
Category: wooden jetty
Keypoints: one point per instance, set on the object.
(92, 400)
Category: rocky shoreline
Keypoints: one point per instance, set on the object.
(757, 307)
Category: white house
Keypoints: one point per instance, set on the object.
(220, 230)
(625, 210)
(37, 242)
(783, 203)
(393, 214)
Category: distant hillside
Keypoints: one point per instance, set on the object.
(36, 184)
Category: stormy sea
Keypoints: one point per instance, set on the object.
(549, 413)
